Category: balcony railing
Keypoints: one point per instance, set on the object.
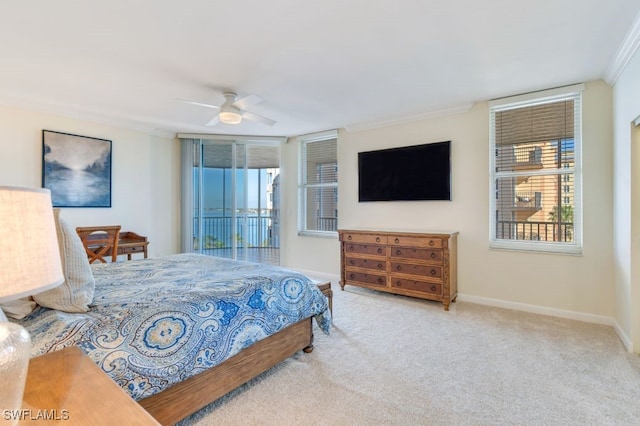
(218, 232)
(327, 224)
(535, 231)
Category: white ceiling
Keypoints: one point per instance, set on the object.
(316, 65)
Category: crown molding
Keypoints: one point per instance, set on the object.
(357, 127)
(625, 52)
(137, 124)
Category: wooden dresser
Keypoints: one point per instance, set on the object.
(408, 263)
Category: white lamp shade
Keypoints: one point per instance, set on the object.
(29, 253)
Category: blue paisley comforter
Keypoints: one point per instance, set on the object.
(156, 322)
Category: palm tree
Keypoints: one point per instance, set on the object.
(564, 221)
(566, 214)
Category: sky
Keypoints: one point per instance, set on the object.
(213, 187)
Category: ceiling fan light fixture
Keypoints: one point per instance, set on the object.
(230, 117)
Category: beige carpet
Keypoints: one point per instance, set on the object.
(392, 360)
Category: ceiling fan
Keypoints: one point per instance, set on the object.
(233, 111)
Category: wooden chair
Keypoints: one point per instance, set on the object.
(100, 242)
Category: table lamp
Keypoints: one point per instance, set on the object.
(29, 263)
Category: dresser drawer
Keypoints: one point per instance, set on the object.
(136, 249)
(365, 249)
(413, 285)
(380, 265)
(415, 241)
(365, 238)
(417, 253)
(413, 269)
(372, 279)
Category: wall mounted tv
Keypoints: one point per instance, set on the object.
(409, 173)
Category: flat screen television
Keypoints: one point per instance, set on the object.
(408, 173)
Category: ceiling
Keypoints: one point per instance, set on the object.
(316, 65)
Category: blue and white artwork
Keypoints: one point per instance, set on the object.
(77, 169)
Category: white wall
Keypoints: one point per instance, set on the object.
(146, 199)
(574, 286)
(626, 108)
(319, 254)
(145, 178)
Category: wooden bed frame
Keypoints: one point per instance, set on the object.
(185, 398)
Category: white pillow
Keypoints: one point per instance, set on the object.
(76, 293)
(17, 309)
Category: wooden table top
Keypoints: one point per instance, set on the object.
(67, 387)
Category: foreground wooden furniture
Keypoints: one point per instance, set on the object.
(413, 264)
(100, 242)
(67, 387)
(189, 396)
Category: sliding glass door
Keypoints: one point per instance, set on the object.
(236, 200)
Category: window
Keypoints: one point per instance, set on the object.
(535, 171)
(231, 196)
(318, 184)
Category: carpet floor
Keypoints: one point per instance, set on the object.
(393, 360)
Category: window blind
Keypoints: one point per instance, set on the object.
(535, 179)
(319, 183)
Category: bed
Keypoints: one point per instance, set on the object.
(178, 332)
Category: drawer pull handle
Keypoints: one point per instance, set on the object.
(398, 252)
(379, 265)
(349, 238)
(398, 267)
(397, 240)
(380, 280)
(351, 248)
(433, 255)
(433, 272)
(431, 242)
(351, 276)
(433, 288)
(379, 250)
(351, 261)
(377, 239)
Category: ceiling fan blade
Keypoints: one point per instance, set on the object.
(255, 117)
(215, 120)
(198, 103)
(247, 101)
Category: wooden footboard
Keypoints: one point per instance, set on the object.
(189, 396)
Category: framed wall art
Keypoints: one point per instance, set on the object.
(76, 169)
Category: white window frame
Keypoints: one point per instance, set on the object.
(303, 186)
(530, 99)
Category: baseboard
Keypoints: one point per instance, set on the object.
(626, 341)
(537, 309)
(544, 310)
